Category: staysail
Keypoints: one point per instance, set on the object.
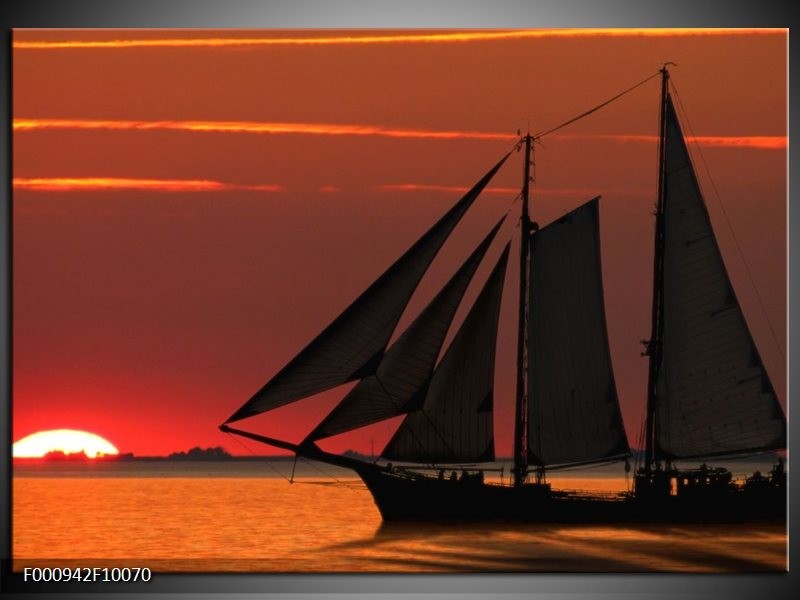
(713, 395)
(574, 415)
(353, 345)
(399, 384)
(455, 424)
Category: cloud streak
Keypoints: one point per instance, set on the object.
(447, 189)
(385, 38)
(67, 184)
(761, 142)
(254, 127)
(537, 191)
(97, 184)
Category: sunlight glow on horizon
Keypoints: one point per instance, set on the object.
(68, 441)
(762, 142)
(446, 37)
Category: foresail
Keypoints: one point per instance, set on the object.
(574, 415)
(713, 395)
(352, 346)
(455, 424)
(400, 382)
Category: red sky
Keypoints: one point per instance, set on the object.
(187, 216)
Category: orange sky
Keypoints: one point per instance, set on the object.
(188, 216)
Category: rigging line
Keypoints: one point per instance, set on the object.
(541, 134)
(730, 228)
(517, 222)
(263, 459)
(585, 466)
(313, 463)
(411, 429)
(637, 457)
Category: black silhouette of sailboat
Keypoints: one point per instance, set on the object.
(709, 395)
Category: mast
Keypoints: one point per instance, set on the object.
(521, 412)
(654, 344)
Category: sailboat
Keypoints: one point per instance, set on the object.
(709, 395)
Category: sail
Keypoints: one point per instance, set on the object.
(574, 415)
(455, 421)
(713, 395)
(352, 346)
(399, 384)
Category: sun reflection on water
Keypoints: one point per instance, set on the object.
(268, 525)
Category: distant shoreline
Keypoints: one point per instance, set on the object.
(149, 459)
(196, 454)
(69, 459)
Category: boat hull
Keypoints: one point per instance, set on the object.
(401, 496)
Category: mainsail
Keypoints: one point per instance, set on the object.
(454, 424)
(574, 414)
(399, 384)
(713, 395)
(353, 345)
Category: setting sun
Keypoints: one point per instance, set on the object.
(68, 441)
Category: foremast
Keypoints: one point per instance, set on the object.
(654, 345)
(521, 406)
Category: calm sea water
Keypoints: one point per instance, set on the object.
(213, 517)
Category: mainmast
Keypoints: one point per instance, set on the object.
(654, 344)
(521, 412)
